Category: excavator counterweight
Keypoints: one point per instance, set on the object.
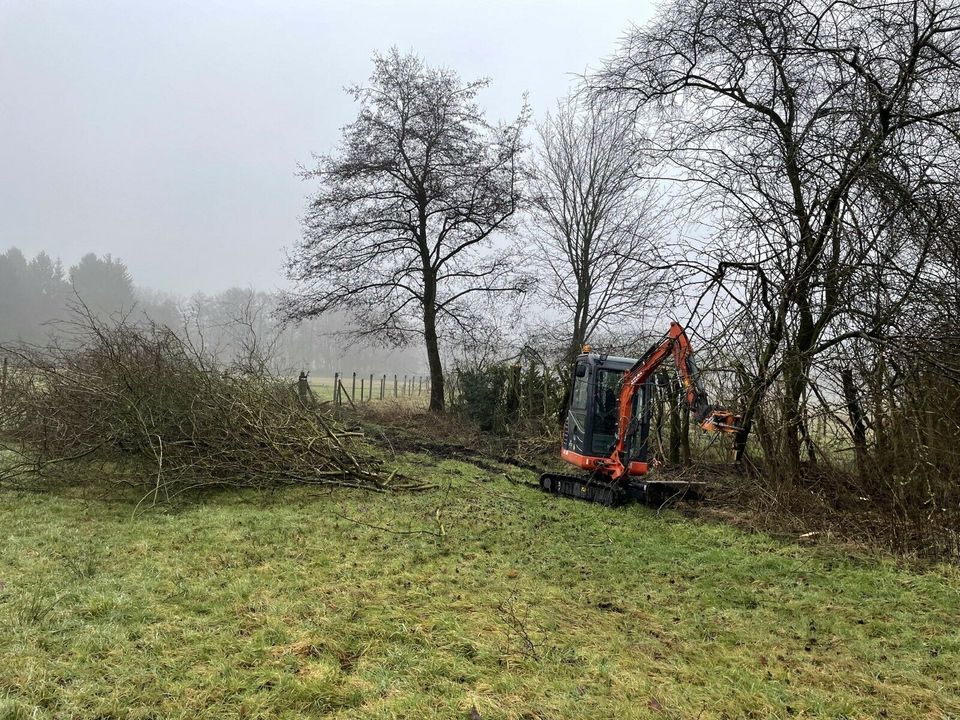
(608, 419)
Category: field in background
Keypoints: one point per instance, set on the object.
(415, 394)
(482, 598)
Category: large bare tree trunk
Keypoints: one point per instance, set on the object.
(430, 340)
(436, 368)
(580, 319)
(790, 448)
(855, 412)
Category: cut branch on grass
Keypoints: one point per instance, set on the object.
(516, 620)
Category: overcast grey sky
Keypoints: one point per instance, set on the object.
(168, 133)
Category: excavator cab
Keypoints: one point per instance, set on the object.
(590, 429)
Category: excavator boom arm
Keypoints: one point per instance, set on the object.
(675, 344)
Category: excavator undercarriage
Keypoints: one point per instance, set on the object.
(604, 492)
(586, 488)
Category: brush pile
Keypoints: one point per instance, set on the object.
(146, 405)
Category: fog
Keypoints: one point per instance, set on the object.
(168, 134)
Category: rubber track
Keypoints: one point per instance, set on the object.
(583, 488)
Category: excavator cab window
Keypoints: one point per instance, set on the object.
(578, 400)
(575, 429)
(636, 442)
(606, 400)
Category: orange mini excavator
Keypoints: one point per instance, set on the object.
(605, 433)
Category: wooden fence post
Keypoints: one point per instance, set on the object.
(371, 388)
(336, 388)
(3, 380)
(383, 384)
(395, 385)
(353, 387)
(361, 389)
(349, 397)
(303, 385)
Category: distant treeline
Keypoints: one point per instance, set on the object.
(39, 295)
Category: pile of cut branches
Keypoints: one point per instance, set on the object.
(146, 405)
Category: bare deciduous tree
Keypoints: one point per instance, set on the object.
(401, 231)
(593, 221)
(814, 131)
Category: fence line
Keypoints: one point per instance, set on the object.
(409, 386)
(539, 400)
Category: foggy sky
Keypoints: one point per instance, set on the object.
(169, 133)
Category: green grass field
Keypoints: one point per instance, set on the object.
(250, 605)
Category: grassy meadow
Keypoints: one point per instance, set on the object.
(480, 599)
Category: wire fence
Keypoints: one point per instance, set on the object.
(351, 388)
(507, 390)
